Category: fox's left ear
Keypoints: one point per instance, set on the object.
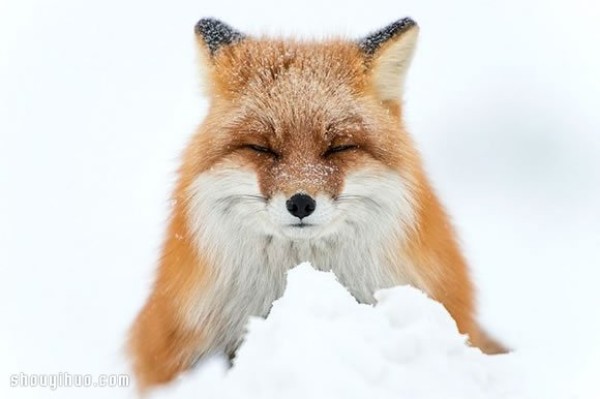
(388, 53)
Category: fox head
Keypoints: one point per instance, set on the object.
(302, 139)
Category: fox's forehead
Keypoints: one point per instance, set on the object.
(290, 67)
(279, 86)
(300, 109)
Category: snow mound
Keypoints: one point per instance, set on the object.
(318, 342)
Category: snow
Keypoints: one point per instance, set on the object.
(318, 342)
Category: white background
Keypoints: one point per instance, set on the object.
(97, 99)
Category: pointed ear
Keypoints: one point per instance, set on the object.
(213, 35)
(388, 53)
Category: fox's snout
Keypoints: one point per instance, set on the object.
(301, 205)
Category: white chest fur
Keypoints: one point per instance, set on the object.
(248, 259)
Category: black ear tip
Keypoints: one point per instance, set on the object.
(207, 24)
(404, 24)
(399, 26)
(216, 33)
(373, 41)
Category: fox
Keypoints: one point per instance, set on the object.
(303, 155)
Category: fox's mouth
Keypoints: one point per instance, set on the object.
(300, 225)
(301, 230)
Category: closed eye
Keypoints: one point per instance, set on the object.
(339, 148)
(263, 150)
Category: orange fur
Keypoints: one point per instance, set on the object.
(295, 91)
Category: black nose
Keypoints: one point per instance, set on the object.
(301, 205)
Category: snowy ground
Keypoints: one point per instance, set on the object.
(97, 99)
(318, 342)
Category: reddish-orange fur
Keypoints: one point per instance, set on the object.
(160, 343)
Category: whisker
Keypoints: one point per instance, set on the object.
(249, 197)
(358, 198)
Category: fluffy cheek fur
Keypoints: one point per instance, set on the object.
(228, 199)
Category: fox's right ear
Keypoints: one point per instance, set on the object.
(213, 35)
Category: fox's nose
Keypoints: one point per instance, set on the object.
(300, 205)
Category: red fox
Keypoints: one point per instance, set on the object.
(302, 156)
